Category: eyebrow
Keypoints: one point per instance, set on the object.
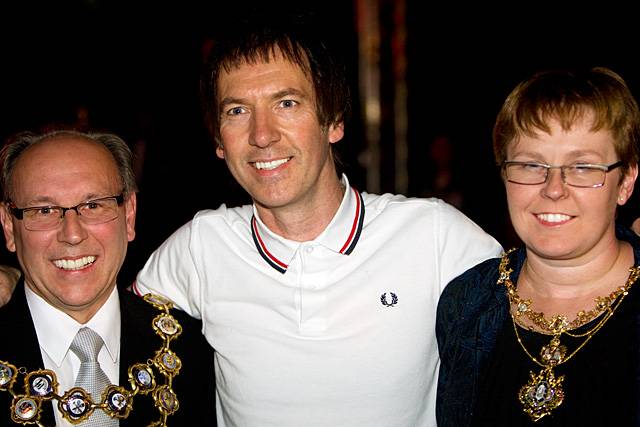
(574, 153)
(41, 201)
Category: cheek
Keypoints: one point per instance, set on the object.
(32, 249)
(609, 203)
(516, 197)
(30, 240)
(232, 131)
(112, 235)
(518, 203)
(229, 149)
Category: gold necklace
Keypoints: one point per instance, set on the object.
(559, 323)
(543, 392)
(76, 404)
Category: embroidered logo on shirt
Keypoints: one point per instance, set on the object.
(385, 301)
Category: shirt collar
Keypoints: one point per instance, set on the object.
(341, 235)
(56, 330)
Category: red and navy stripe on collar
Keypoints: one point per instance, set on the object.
(346, 249)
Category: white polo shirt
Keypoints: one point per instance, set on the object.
(338, 331)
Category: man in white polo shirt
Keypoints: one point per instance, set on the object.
(320, 300)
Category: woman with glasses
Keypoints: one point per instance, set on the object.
(548, 334)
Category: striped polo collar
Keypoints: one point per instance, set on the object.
(341, 235)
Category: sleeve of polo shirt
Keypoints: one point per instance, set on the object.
(170, 271)
(463, 244)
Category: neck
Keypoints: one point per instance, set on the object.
(307, 219)
(81, 313)
(568, 286)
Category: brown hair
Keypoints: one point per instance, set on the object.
(258, 40)
(567, 96)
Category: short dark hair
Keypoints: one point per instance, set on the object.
(258, 39)
(567, 96)
(18, 143)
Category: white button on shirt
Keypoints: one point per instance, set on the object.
(303, 331)
(56, 330)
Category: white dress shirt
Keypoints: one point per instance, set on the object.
(56, 330)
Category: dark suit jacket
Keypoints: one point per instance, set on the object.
(194, 385)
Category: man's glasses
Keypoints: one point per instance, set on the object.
(583, 175)
(92, 212)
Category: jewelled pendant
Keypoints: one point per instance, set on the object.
(25, 410)
(542, 394)
(75, 405)
(553, 353)
(41, 383)
(8, 374)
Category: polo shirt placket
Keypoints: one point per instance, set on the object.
(309, 264)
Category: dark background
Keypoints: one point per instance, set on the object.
(134, 66)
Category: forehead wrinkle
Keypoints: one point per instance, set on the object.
(287, 92)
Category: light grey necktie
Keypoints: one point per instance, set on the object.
(86, 345)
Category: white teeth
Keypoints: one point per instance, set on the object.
(553, 217)
(74, 264)
(271, 165)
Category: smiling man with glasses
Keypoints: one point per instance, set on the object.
(69, 213)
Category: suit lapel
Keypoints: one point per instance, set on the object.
(132, 350)
(24, 350)
(135, 347)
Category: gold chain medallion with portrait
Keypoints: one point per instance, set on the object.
(76, 404)
(544, 392)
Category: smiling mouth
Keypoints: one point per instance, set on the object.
(74, 264)
(553, 217)
(270, 165)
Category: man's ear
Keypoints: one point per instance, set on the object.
(7, 226)
(220, 151)
(130, 207)
(336, 132)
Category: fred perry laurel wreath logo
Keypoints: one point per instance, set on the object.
(385, 300)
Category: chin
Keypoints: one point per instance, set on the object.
(554, 250)
(548, 244)
(274, 201)
(82, 296)
(78, 300)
